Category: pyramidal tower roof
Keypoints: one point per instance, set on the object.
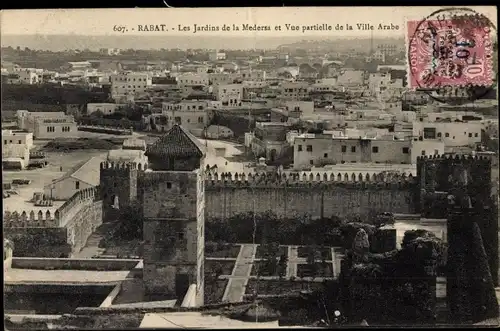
(176, 143)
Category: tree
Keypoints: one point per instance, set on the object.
(218, 270)
(312, 255)
(131, 222)
(282, 264)
(270, 252)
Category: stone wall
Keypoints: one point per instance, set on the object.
(72, 224)
(39, 242)
(318, 196)
(45, 219)
(74, 264)
(83, 224)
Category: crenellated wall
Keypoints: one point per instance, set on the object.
(58, 234)
(318, 195)
(46, 219)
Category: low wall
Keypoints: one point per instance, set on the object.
(71, 226)
(103, 129)
(74, 264)
(39, 242)
(102, 289)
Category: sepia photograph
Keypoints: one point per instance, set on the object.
(279, 167)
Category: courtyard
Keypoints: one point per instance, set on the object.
(233, 278)
(20, 196)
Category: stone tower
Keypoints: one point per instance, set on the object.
(118, 187)
(173, 196)
(468, 179)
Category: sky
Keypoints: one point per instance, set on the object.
(102, 22)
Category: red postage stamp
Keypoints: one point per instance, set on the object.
(444, 53)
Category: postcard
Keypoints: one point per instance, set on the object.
(250, 167)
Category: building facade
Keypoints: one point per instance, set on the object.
(104, 108)
(129, 84)
(191, 114)
(47, 125)
(453, 134)
(323, 149)
(229, 95)
(10, 137)
(51, 128)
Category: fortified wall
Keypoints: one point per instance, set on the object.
(39, 233)
(468, 179)
(317, 195)
(287, 195)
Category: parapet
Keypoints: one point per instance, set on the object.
(120, 166)
(311, 179)
(463, 157)
(31, 219)
(80, 197)
(47, 219)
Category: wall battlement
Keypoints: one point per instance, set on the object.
(381, 180)
(31, 219)
(116, 166)
(47, 219)
(467, 158)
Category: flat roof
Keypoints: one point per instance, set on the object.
(15, 276)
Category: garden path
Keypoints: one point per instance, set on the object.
(291, 270)
(235, 289)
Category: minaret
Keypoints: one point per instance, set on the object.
(174, 224)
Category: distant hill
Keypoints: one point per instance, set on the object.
(343, 44)
(64, 42)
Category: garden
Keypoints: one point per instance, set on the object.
(325, 253)
(280, 287)
(318, 269)
(214, 290)
(261, 251)
(221, 250)
(270, 228)
(218, 268)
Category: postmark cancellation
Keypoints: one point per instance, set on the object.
(450, 48)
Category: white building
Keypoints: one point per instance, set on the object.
(129, 84)
(229, 95)
(28, 76)
(16, 148)
(453, 134)
(218, 132)
(128, 156)
(84, 175)
(105, 108)
(216, 56)
(253, 75)
(294, 90)
(47, 125)
(10, 137)
(221, 78)
(15, 156)
(190, 78)
(110, 51)
(191, 114)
